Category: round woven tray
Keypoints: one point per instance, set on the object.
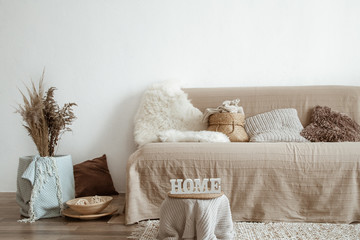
(197, 195)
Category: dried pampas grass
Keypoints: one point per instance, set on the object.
(44, 120)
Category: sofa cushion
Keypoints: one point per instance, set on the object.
(331, 126)
(280, 125)
(92, 177)
(256, 100)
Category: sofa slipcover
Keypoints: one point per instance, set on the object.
(301, 182)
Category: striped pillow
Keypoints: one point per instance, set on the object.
(280, 125)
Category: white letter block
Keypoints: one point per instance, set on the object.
(190, 188)
(215, 185)
(201, 187)
(174, 186)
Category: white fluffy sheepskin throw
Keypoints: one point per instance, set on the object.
(165, 106)
(173, 135)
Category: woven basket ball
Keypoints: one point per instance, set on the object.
(231, 124)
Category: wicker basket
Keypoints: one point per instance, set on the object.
(231, 124)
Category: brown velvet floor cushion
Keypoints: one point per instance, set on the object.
(331, 126)
(92, 177)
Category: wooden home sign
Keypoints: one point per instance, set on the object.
(196, 186)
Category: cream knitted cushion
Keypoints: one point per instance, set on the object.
(280, 125)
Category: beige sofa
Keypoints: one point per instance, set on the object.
(286, 181)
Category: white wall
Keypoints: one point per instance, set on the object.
(103, 54)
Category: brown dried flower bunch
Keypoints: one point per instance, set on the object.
(44, 120)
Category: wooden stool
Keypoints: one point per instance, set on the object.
(195, 218)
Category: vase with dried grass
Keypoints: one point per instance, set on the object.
(44, 181)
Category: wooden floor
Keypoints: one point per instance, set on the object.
(63, 228)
